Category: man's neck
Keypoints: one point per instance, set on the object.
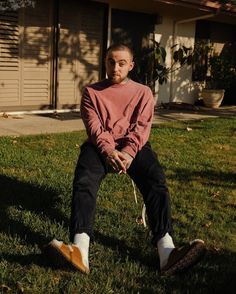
(124, 81)
(121, 83)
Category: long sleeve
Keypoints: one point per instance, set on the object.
(140, 125)
(96, 132)
(117, 116)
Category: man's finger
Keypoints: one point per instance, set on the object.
(114, 165)
(118, 161)
(121, 165)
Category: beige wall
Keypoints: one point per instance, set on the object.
(163, 34)
(183, 88)
(179, 87)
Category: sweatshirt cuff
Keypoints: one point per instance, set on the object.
(129, 150)
(106, 152)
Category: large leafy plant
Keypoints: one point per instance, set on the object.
(217, 70)
(222, 70)
(152, 67)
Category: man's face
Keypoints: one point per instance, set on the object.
(118, 64)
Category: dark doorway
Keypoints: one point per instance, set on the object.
(135, 29)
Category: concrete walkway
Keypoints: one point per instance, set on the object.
(29, 124)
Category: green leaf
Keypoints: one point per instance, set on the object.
(189, 59)
(163, 53)
(180, 54)
(176, 56)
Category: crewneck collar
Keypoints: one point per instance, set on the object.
(118, 85)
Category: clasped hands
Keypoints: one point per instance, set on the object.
(120, 161)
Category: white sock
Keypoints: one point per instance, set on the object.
(82, 242)
(165, 245)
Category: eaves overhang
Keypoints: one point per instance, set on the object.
(204, 5)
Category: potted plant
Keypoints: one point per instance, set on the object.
(213, 93)
(214, 90)
(219, 73)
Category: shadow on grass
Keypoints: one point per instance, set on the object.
(26, 197)
(216, 178)
(215, 273)
(133, 253)
(26, 260)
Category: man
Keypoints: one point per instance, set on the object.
(117, 113)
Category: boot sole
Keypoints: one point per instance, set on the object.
(192, 257)
(60, 260)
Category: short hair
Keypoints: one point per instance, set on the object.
(120, 46)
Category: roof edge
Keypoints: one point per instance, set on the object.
(207, 5)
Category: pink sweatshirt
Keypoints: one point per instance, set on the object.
(117, 116)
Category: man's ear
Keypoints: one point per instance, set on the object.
(131, 66)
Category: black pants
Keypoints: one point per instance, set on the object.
(145, 171)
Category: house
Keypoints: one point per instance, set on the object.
(50, 52)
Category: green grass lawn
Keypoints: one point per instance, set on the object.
(36, 175)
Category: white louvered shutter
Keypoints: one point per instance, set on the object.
(25, 57)
(80, 49)
(36, 55)
(9, 59)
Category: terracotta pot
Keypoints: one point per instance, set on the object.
(212, 98)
